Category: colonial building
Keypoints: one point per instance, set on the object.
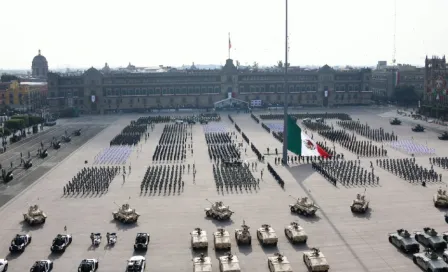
(39, 67)
(435, 100)
(16, 96)
(105, 91)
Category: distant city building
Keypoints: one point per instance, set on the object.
(435, 100)
(16, 96)
(39, 67)
(97, 92)
(37, 95)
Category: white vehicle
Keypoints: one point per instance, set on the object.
(222, 239)
(42, 266)
(202, 264)
(3, 265)
(279, 263)
(229, 263)
(179, 122)
(295, 233)
(429, 261)
(199, 239)
(88, 265)
(315, 260)
(267, 236)
(136, 264)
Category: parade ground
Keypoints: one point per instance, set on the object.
(350, 243)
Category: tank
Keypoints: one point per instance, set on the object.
(34, 216)
(221, 239)
(440, 199)
(218, 211)
(229, 263)
(279, 263)
(125, 214)
(395, 121)
(199, 238)
(418, 128)
(360, 204)
(295, 233)
(315, 260)
(304, 206)
(242, 236)
(202, 264)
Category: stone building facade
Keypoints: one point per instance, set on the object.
(97, 92)
(435, 99)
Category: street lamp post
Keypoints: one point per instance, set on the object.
(286, 91)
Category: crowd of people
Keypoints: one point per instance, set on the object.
(365, 130)
(166, 178)
(92, 180)
(439, 161)
(153, 120)
(130, 135)
(231, 176)
(407, 169)
(347, 173)
(221, 147)
(300, 116)
(172, 145)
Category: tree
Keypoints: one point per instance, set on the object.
(405, 95)
(8, 78)
(280, 64)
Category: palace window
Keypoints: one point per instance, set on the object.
(262, 89)
(184, 100)
(171, 90)
(272, 88)
(217, 89)
(171, 100)
(190, 90)
(210, 89)
(210, 99)
(203, 89)
(242, 89)
(197, 90)
(252, 89)
(314, 88)
(279, 89)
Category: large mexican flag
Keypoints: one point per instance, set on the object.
(300, 143)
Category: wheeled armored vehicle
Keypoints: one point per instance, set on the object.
(418, 128)
(221, 239)
(295, 233)
(440, 199)
(243, 236)
(66, 139)
(88, 265)
(443, 136)
(56, 144)
(395, 121)
(267, 236)
(77, 132)
(34, 216)
(229, 263)
(315, 260)
(3, 265)
(360, 204)
(136, 264)
(429, 261)
(431, 239)
(202, 264)
(43, 154)
(20, 242)
(199, 239)
(304, 206)
(28, 164)
(61, 242)
(218, 211)
(42, 266)
(7, 176)
(279, 263)
(125, 214)
(141, 241)
(403, 240)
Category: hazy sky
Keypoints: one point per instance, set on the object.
(86, 33)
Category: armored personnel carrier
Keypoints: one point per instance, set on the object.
(429, 261)
(229, 263)
(221, 239)
(66, 139)
(418, 128)
(279, 263)
(202, 264)
(431, 239)
(34, 216)
(56, 144)
(77, 132)
(403, 240)
(295, 233)
(242, 236)
(199, 239)
(43, 154)
(360, 204)
(267, 236)
(441, 199)
(304, 206)
(443, 136)
(315, 260)
(125, 214)
(395, 121)
(218, 211)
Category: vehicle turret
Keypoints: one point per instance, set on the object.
(34, 216)
(125, 214)
(360, 204)
(304, 206)
(218, 211)
(440, 199)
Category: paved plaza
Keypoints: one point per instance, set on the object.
(350, 243)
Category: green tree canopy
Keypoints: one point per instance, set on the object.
(15, 124)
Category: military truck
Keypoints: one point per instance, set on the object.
(440, 199)
(218, 211)
(304, 206)
(34, 216)
(243, 236)
(418, 128)
(403, 240)
(431, 239)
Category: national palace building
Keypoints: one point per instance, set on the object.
(103, 91)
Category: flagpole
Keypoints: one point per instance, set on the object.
(286, 92)
(230, 45)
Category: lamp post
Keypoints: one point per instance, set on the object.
(286, 91)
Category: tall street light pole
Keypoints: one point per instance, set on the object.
(286, 92)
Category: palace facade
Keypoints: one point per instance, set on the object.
(101, 91)
(435, 98)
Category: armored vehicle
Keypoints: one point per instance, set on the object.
(295, 233)
(418, 128)
(202, 264)
(7, 176)
(431, 239)
(35, 216)
(77, 132)
(56, 144)
(395, 121)
(199, 239)
(242, 236)
(20, 242)
(221, 239)
(360, 204)
(125, 214)
(267, 236)
(61, 242)
(403, 240)
(279, 263)
(229, 263)
(441, 199)
(429, 261)
(136, 264)
(141, 241)
(28, 164)
(218, 211)
(66, 139)
(203, 122)
(304, 206)
(3, 265)
(319, 120)
(88, 265)
(42, 266)
(315, 260)
(43, 154)
(443, 136)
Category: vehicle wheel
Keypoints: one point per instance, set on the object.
(414, 260)
(304, 259)
(429, 270)
(70, 240)
(352, 209)
(31, 238)
(6, 268)
(403, 249)
(250, 242)
(51, 266)
(444, 258)
(304, 241)
(275, 244)
(207, 213)
(292, 209)
(390, 239)
(96, 265)
(286, 234)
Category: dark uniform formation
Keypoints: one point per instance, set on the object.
(300, 116)
(166, 178)
(221, 146)
(153, 119)
(130, 135)
(91, 180)
(233, 176)
(347, 173)
(317, 126)
(172, 145)
(365, 130)
(439, 161)
(408, 170)
(361, 148)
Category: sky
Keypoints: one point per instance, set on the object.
(87, 33)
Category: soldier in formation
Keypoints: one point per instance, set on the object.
(172, 145)
(365, 130)
(439, 161)
(346, 172)
(221, 147)
(408, 170)
(130, 135)
(91, 180)
(234, 176)
(350, 142)
(166, 178)
(300, 116)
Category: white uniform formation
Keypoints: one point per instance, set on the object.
(114, 155)
(410, 147)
